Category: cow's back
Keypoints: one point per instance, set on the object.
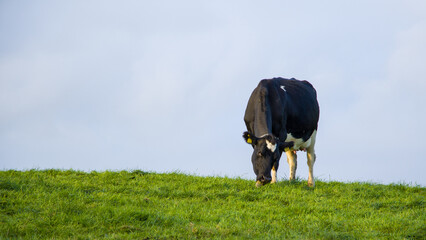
(281, 106)
(302, 109)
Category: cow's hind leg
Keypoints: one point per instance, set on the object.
(311, 160)
(292, 162)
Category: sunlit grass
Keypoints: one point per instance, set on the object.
(140, 205)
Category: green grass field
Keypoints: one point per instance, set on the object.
(54, 204)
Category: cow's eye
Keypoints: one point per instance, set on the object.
(259, 154)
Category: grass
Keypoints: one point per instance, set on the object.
(55, 204)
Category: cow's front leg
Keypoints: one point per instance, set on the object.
(292, 162)
(274, 172)
(274, 175)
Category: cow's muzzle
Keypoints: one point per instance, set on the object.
(262, 181)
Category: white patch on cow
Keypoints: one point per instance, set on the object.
(299, 144)
(271, 146)
(283, 88)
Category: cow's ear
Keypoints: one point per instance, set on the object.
(249, 138)
(285, 146)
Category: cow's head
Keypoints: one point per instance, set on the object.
(267, 150)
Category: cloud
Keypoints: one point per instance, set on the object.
(381, 132)
(406, 70)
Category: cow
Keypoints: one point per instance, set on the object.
(281, 116)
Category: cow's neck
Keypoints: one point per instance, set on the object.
(263, 118)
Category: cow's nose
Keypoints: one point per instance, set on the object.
(265, 179)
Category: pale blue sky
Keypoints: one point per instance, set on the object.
(163, 85)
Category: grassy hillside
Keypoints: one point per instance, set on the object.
(139, 205)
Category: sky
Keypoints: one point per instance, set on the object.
(162, 85)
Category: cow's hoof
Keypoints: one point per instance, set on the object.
(311, 184)
(259, 184)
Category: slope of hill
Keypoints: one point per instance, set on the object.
(139, 205)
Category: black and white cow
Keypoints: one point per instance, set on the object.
(281, 116)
